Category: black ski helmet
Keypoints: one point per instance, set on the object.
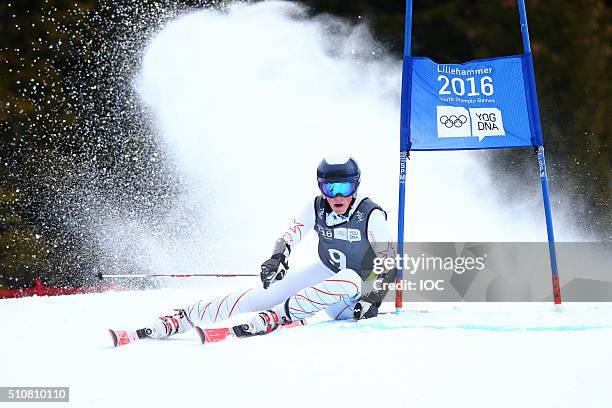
(336, 170)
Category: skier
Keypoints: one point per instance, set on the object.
(352, 232)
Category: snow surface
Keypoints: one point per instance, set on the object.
(433, 355)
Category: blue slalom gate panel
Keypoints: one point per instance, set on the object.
(481, 104)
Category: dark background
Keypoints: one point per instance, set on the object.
(68, 123)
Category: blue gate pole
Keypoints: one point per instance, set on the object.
(540, 152)
(400, 230)
(404, 136)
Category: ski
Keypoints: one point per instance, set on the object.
(226, 333)
(123, 337)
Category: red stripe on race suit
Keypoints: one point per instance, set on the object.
(297, 226)
(340, 280)
(236, 302)
(312, 301)
(298, 310)
(204, 312)
(219, 307)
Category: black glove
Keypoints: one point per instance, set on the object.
(367, 306)
(274, 269)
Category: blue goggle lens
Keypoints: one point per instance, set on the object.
(343, 188)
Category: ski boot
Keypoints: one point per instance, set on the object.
(167, 326)
(263, 323)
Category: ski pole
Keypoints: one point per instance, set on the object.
(102, 276)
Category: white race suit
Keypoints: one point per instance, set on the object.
(307, 289)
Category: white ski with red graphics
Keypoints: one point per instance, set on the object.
(226, 333)
(123, 337)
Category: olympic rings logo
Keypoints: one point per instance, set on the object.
(453, 120)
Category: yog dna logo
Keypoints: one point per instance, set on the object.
(455, 121)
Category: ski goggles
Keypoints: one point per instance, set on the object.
(343, 188)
